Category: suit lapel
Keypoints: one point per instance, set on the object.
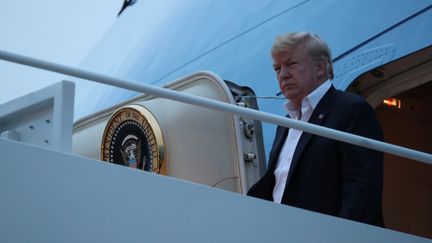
(281, 135)
(318, 116)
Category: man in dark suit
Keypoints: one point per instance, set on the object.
(313, 172)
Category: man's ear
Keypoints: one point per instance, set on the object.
(322, 68)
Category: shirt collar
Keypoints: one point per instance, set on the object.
(311, 100)
(316, 95)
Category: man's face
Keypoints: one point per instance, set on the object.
(297, 73)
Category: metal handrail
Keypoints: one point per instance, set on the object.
(220, 106)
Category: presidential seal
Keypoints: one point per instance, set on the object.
(133, 138)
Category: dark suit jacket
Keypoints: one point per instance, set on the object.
(329, 176)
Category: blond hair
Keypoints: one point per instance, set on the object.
(317, 49)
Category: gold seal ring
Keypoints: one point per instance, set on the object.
(133, 138)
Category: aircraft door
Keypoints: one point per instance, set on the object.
(180, 140)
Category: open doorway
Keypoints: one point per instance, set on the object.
(407, 195)
(407, 121)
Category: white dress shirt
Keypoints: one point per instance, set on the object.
(285, 156)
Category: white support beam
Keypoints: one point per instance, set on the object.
(216, 105)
